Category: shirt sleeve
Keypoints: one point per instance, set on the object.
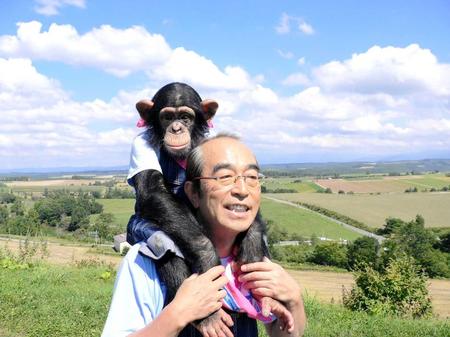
(142, 157)
(138, 296)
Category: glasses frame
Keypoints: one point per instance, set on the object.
(235, 179)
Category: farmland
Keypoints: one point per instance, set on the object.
(380, 184)
(304, 222)
(373, 209)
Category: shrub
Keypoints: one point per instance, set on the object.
(363, 251)
(329, 254)
(400, 289)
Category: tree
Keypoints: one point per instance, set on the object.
(4, 214)
(103, 225)
(329, 254)
(80, 218)
(399, 289)
(363, 250)
(18, 208)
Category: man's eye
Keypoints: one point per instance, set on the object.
(251, 177)
(225, 178)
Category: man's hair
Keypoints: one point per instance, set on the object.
(195, 160)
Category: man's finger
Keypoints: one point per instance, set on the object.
(256, 266)
(214, 272)
(253, 276)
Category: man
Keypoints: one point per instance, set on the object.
(223, 186)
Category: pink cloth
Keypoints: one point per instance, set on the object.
(239, 299)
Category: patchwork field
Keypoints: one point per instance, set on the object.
(386, 184)
(374, 209)
(300, 185)
(39, 186)
(304, 222)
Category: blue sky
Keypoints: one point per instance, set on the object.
(299, 81)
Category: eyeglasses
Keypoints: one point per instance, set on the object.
(251, 180)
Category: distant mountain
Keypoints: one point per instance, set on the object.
(383, 167)
(58, 171)
(298, 169)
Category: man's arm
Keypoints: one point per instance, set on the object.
(271, 280)
(198, 297)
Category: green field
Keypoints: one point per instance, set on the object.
(294, 220)
(300, 185)
(122, 209)
(304, 222)
(374, 209)
(71, 300)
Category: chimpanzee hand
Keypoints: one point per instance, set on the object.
(216, 325)
(284, 316)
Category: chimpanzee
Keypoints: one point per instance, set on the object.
(176, 120)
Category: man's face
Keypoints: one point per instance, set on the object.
(228, 210)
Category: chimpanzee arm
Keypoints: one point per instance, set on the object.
(253, 246)
(157, 205)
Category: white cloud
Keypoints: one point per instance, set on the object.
(377, 102)
(51, 7)
(301, 61)
(296, 79)
(120, 52)
(286, 55)
(305, 28)
(284, 26)
(391, 70)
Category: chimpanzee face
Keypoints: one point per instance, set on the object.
(177, 118)
(177, 124)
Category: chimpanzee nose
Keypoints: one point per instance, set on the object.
(176, 127)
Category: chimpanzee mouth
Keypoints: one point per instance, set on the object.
(237, 208)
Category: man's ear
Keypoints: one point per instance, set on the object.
(143, 107)
(210, 107)
(191, 194)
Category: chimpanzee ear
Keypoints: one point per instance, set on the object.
(143, 107)
(210, 107)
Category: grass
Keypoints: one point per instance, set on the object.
(54, 300)
(122, 209)
(300, 185)
(374, 209)
(65, 301)
(304, 222)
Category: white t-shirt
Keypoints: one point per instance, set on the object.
(143, 156)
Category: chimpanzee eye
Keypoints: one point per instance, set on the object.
(185, 118)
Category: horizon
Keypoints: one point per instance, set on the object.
(298, 82)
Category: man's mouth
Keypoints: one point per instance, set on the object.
(237, 208)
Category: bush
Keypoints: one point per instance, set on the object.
(400, 289)
(329, 254)
(363, 251)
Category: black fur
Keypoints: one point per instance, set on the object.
(157, 204)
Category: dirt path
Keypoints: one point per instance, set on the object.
(325, 286)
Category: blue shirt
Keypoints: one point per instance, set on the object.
(139, 297)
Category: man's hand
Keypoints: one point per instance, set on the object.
(201, 295)
(268, 279)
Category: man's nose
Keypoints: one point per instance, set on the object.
(240, 188)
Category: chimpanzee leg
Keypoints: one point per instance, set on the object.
(172, 271)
